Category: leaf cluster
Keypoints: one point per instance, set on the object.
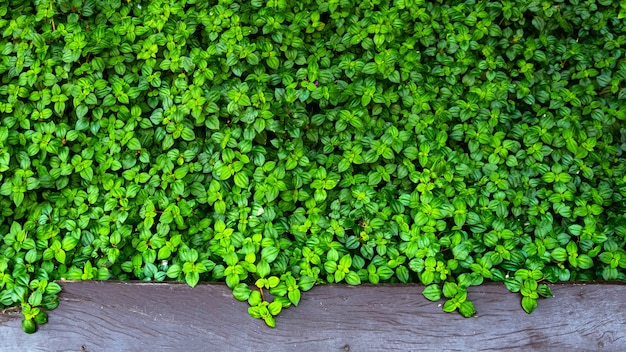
(275, 145)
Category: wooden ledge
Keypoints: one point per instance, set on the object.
(132, 316)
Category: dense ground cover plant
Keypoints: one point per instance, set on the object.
(275, 145)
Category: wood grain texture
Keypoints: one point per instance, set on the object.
(122, 316)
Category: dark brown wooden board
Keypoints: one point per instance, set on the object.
(121, 316)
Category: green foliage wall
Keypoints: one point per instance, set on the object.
(275, 145)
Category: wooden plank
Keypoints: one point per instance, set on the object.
(121, 316)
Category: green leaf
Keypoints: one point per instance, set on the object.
(255, 298)
(29, 326)
(31, 256)
(134, 144)
(529, 304)
(212, 122)
(432, 292)
(269, 321)
(352, 278)
(402, 272)
(544, 291)
(241, 180)
(306, 283)
(559, 254)
(192, 278)
(345, 261)
(273, 62)
(174, 271)
(81, 111)
(262, 269)
(188, 134)
(225, 172)
(270, 253)
(332, 255)
(467, 309)
(241, 292)
(53, 288)
(449, 289)
(166, 217)
(59, 255)
(275, 308)
(273, 281)
(427, 277)
(164, 253)
(585, 262)
(450, 306)
(330, 266)
(35, 298)
(370, 68)
(41, 317)
(549, 177)
(294, 296)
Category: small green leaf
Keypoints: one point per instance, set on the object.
(262, 269)
(174, 271)
(53, 288)
(294, 296)
(352, 278)
(467, 309)
(432, 292)
(241, 180)
(35, 298)
(255, 298)
(29, 326)
(370, 68)
(345, 261)
(134, 144)
(41, 317)
(273, 62)
(269, 321)
(270, 253)
(241, 292)
(529, 304)
(81, 111)
(188, 134)
(449, 289)
(306, 283)
(59, 255)
(275, 308)
(450, 306)
(544, 291)
(192, 278)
